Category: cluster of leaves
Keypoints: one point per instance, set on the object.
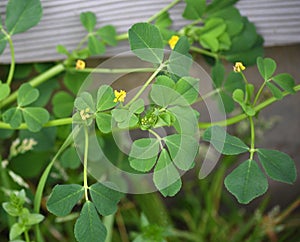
(34, 117)
(247, 181)
(15, 208)
(96, 39)
(222, 30)
(88, 226)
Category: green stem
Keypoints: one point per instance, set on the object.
(165, 9)
(252, 130)
(113, 71)
(53, 71)
(157, 136)
(146, 84)
(26, 236)
(108, 222)
(85, 160)
(12, 64)
(122, 36)
(52, 123)
(43, 179)
(242, 116)
(259, 92)
(213, 92)
(204, 52)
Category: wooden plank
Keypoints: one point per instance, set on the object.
(278, 21)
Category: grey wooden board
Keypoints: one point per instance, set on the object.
(278, 21)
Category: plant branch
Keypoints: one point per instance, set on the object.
(85, 160)
(165, 9)
(12, 64)
(242, 116)
(43, 179)
(146, 84)
(113, 71)
(53, 71)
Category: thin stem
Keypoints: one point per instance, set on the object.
(213, 92)
(252, 130)
(146, 84)
(26, 235)
(53, 71)
(43, 179)
(157, 136)
(108, 222)
(204, 52)
(113, 71)
(12, 64)
(85, 160)
(259, 93)
(122, 36)
(165, 9)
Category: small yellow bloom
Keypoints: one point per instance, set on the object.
(80, 65)
(238, 67)
(173, 41)
(120, 96)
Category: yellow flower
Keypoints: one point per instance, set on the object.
(120, 96)
(173, 41)
(238, 67)
(80, 65)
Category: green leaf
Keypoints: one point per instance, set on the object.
(144, 148)
(146, 42)
(234, 81)
(223, 142)
(166, 177)
(73, 80)
(88, 20)
(246, 182)
(12, 209)
(275, 91)
(70, 158)
(22, 15)
(105, 98)
(142, 165)
(46, 90)
(124, 117)
(34, 218)
(103, 121)
(108, 34)
(246, 39)
(16, 230)
(96, 47)
(63, 104)
(285, 81)
(88, 226)
(225, 102)
(163, 21)
(22, 71)
(137, 106)
(278, 165)
(63, 198)
(188, 88)
(217, 74)
(4, 90)
(183, 150)
(266, 67)
(61, 49)
(213, 27)
(13, 116)
(180, 61)
(85, 101)
(105, 199)
(217, 5)
(35, 118)
(238, 96)
(27, 94)
(194, 9)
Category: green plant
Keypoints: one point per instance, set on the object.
(217, 31)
